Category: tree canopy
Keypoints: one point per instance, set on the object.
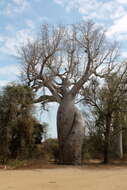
(19, 129)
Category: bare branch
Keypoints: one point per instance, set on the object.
(63, 59)
(45, 98)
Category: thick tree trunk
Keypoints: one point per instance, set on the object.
(70, 132)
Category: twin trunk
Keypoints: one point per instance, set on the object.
(70, 128)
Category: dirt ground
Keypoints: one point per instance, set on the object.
(66, 178)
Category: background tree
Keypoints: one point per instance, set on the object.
(108, 100)
(60, 62)
(19, 130)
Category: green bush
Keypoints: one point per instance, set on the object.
(17, 163)
(92, 148)
(51, 148)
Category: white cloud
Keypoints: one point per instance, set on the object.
(112, 13)
(59, 1)
(124, 54)
(12, 44)
(43, 19)
(1, 38)
(30, 23)
(8, 74)
(122, 1)
(83, 6)
(119, 27)
(13, 70)
(20, 2)
(9, 27)
(16, 7)
(119, 13)
(96, 9)
(3, 83)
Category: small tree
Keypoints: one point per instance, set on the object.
(60, 62)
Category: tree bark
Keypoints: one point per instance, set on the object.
(70, 131)
(119, 144)
(107, 140)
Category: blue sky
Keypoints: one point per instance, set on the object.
(20, 20)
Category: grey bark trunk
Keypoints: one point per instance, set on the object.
(119, 139)
(70, 127)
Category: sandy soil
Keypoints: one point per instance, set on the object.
(64, 179)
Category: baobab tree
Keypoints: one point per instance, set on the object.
(60, 62)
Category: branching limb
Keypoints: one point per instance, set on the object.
(45, 98)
